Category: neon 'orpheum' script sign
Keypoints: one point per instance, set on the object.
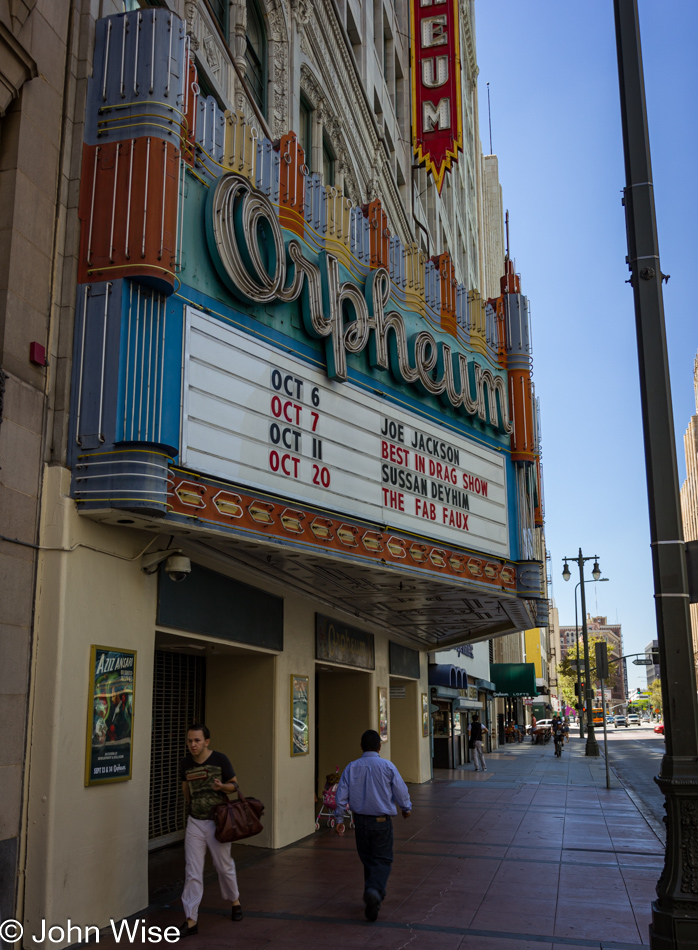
(347, 318)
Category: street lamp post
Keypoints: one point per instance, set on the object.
(592, 747)
(580, 699)
(579, 669)
(675, 912)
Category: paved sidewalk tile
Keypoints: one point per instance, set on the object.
(534, 854)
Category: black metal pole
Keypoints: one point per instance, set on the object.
(592, 746)
(675, 912)
(580, 698)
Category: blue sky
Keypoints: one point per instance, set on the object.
(556, 130)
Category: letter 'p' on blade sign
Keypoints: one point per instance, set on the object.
(437, 129)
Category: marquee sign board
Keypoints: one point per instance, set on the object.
(437, 127)
(255, 417)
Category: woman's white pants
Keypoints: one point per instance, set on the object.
(199, 836)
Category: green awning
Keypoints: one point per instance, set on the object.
(514, 679)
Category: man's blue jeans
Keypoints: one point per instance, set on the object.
(374, 842)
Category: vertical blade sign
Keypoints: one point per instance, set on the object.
(437, 129)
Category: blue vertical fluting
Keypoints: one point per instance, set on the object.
(431, 291)
(137, 82)
(150, 368)
(360, 236)
(267, 172)
(315, 209)
(463, 311)
(397, 262)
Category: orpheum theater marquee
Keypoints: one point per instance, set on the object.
(264, 369)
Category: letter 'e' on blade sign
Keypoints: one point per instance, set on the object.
(437, 129)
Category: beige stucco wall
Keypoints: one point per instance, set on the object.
(406, 730)
(240, 715)
(294, 776)
(86, 847)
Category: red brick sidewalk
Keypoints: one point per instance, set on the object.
(535, 853)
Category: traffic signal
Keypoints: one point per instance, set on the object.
(601, 649)
(576, 690)
(655, 655)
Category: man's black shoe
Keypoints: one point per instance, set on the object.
(186, 931)
(236, 913)
(373, 904)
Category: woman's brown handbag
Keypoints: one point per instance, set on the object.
(239, 819)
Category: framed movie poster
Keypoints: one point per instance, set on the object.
(300, 742)
(425, 715)
(111, 698)
(383, 713)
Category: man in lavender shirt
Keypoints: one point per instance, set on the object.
(372, 787)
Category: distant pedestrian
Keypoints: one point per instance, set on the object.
(207, 778)
(372, 787)
(475, 733)
(558, 735)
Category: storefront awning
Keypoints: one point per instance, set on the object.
(514, 679)
(445, 674)
(462, 703)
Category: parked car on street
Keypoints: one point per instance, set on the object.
(621, 721)
(633, 719)
(659, 728)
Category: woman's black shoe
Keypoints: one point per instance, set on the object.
(186, 931)
(236, 913)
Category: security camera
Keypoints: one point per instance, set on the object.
(177, 567)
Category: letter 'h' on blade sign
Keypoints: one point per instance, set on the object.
(437, 128)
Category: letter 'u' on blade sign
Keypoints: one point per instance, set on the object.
(437, 124)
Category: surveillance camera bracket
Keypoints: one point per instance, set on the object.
(150, 562)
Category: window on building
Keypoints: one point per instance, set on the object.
(378, 108)
(305, 130)
(130, 5)
(354, 36)
(220, 12)
(388, 58)
(400, 92)
(256, 55)
(378, 28)
(401, 183)
(327, 162)
(431, 207)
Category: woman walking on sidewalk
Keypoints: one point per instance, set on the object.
(207, 779)
(475, 733)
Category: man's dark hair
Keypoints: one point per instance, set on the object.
(476, 718)
(370, 741)
(200, 727)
